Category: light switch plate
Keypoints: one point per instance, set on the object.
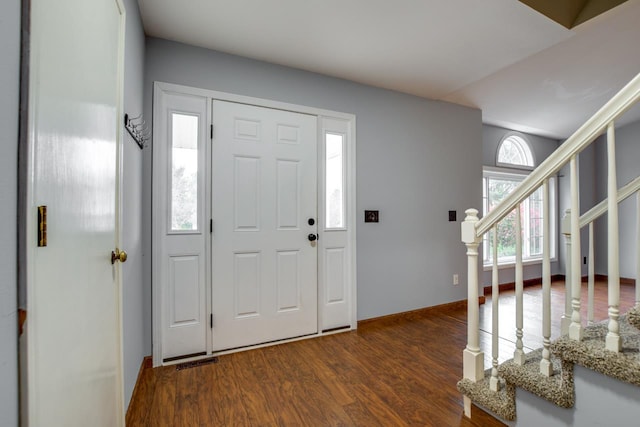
(371, 216)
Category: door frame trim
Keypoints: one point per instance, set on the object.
(162, 87)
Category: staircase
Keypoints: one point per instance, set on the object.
(611, 348)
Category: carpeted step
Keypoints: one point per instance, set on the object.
(591, 352)
(633, 316)
(559, 388)
(501, 402)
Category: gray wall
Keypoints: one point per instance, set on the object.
(542, 148)
(416, 159)
(9, 103)
(136, 327)
(628, 167)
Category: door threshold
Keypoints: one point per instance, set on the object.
(204, 356)
(266, 343)
(196, 363)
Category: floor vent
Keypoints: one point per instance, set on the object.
(193, 364)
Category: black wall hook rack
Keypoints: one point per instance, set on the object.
(138, 129)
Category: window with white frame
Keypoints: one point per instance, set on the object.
(497, 183)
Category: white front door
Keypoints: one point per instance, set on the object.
(73, 358)
(264, 197)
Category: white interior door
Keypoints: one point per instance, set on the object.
(74, 372)
(264, 198)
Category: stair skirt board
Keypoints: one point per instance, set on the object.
(559, 388)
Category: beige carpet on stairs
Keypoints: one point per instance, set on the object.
(559, 388)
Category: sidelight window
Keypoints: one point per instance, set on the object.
(334, 181)
(184, 172)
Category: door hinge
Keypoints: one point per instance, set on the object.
(211, 225)
(211, 320)
(211, 132)
(42, 226)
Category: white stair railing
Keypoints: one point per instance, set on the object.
(473, 230)
(588, 219)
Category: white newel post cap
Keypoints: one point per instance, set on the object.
(468, 226)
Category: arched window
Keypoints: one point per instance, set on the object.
(515, 151)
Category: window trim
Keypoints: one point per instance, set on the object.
(515, 165)
(487, 264)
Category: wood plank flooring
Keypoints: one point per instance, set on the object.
(395, 371)
(390, 372)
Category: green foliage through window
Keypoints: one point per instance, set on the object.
(496, 187)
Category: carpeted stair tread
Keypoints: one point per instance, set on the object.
(633, 316)
(501, 402)
(591, 352)
(557, 389)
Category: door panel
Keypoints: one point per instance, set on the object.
(246, 207)
(337, 271)
(74, 366)
(180, 221)
(288, 280)
(264, 267)
(184, 290)
(288, 185)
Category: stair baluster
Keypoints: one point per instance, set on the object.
(613, 342)
(546, 368)
(575, 329)
(638, 249)
(495, 324)
(566, 232)
(590, 276)
(518, 355)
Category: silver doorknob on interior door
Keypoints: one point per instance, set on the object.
(312, 237)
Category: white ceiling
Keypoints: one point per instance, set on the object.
(523, 70)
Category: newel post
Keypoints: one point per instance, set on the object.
(472, 357)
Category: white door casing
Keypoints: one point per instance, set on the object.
(73, 329)
(264, 271)
(336, 301)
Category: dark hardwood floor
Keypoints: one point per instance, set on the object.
(392, 371)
